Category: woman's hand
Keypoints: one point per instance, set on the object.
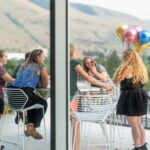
(115, 81)
(92, 68)
(103, 76)
(108, 87)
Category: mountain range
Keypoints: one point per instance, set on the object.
(42, 3)
(25, 24)
(93, 29)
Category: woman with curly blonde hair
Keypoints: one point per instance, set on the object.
(132, 76)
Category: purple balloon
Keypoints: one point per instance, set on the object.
(137, 28)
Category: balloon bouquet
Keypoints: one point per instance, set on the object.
(134, 35)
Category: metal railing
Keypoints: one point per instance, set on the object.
(123, 120)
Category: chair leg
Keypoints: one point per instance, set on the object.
(23, 143)
(1, 130)
(118, 126)
(44, 123)
(103, 127)
(18, 128)
(83, 129)
(114, 130)
(88, 136)
(3, 118)
(81, 124)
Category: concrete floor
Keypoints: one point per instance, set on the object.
(96, 138)
(122, 139)
(10, 134)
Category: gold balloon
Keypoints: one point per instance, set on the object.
(137, 45)
(144, 46)
(140, 48)
(120, 31)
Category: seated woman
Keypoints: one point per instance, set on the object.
(95, 70)
(4, 77)
(31, 72)
(75, 70)
(14, 75)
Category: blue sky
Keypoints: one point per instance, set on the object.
(138, 8)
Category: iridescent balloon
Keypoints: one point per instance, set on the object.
(120, 31)
(137, 45)
(144, 46)
(137, 28)
(130, 35)
(144, 37)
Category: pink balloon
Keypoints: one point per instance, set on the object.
(137, 28)
(130, 35)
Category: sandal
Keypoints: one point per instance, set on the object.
(27, 133)
(31, 131)
(36, 135)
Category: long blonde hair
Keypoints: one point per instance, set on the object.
(132, 59)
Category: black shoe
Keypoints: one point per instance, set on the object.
(17, 118)
(137, 148)
(2, 147)
(144, 147)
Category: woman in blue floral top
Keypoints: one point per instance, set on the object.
(30, 73)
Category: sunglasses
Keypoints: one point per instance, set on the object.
(90, 62)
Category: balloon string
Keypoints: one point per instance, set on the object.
(128, 46)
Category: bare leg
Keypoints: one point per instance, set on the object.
(136, 134)
(142, 131)
(76, 136)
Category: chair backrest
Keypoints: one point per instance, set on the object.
(15, 97)
(93, 106)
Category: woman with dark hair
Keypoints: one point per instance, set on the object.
(31, 72)
(4, 77)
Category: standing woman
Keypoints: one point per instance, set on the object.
(4, 77)
(31, 72)
(132, 76)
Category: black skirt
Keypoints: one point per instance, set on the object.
(133, 99)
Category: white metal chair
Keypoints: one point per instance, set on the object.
(17, 99)
(107, 98)
(94, 108)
